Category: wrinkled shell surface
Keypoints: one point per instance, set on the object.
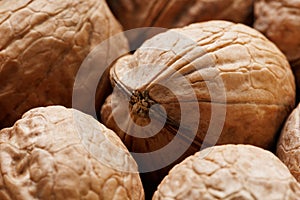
(283, 29)
(257, 79)
(288, 147)
(42, 45)
(258, 83)
(229, 172)
(178, 13)
(43, 157)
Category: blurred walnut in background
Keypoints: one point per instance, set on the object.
(175, 14)
(178, 13)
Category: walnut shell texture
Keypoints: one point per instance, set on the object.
(43, 157)
(258, 84)
(229, 172)
(42, 45)
(288, 147)
(283, 29)
(258, 81)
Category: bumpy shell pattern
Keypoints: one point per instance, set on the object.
(178, 13)
(229, 172)
(258, 83)
(43, 156)
(42, 45)
(288, 147)
(283, 29)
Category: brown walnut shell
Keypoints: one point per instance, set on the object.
(42, 45)
(288, 147)
(256, 77)
(279, 20)
(47, 155)
(175, 13)
(229, 172)
(178, 13)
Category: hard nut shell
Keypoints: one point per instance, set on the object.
(208, 83)
(288, 147)
(178, 13)
(59, 153)
(229, 172)
(42, 46)
(279, 21)
(215, 63)
(134, 14)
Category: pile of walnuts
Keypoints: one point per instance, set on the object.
(192, 99)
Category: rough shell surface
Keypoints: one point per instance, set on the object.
(283, 29)
(258, 82)
(229, 172)
(211, 60)
(47, 155)
(42, 45)
(288, 147)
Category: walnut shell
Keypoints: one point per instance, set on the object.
(229, 172)
(257, 78)
(42, 45)
(47, 155)
(283, 29)
(175, 13)
(258, 85)
(288, 147)
(178, 13)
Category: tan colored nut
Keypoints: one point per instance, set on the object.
(279, 20)
(42, 45)
(258, 82)
(288, 147)
(47, 155)
(258, 85)
(178, 13)
(229, 172)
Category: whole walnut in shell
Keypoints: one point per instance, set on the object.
(279, 20)
(288, 147)
(229, 172)
(59, 153)
(239, 82)
(42, 45)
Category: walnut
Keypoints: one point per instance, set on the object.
(59, 153)
(288, 146)
(178, 13)
(42, 45)
(175, 13)
(229, 172)
(256, 77)
(279, 20)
